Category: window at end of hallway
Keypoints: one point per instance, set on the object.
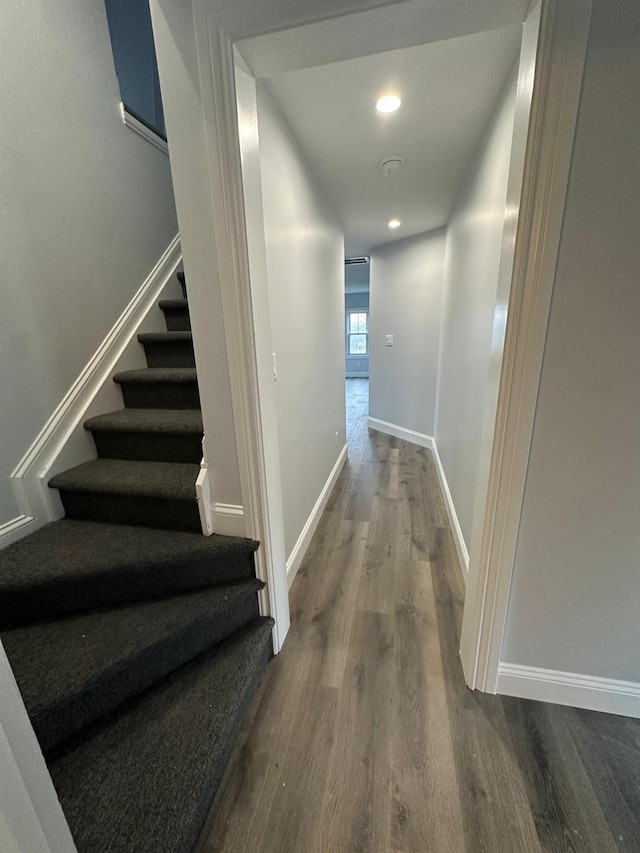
(357, 332)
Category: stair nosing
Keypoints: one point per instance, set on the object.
(64, 481)
(102, 423)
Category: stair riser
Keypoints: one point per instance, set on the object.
(153, 447)
(169, 354)
(178, 322)
(160, 395)
(126, 509)
(104, 696)
(129, 587)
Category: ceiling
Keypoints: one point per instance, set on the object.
(449, 91)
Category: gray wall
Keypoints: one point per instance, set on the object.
(305, 268)
(86, 210)
(575, 600)
(471, 274)
(406, 290)
(355, 365)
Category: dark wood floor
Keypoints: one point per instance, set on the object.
(363, 736)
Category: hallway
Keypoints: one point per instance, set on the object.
(363, 735)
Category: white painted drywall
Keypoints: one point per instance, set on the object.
(31, 819)
(305, 267)
(405, 301)
(575, 598)
(86, 210)
(474, 246)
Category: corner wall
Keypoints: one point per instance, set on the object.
(305, 268)
(575, 596)
(405, 296)
(86, 211)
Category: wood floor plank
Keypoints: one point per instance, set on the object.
(610, 753)
(565, 809)
(357, 806)
(426, 813)
(494, 804)
(376, 590)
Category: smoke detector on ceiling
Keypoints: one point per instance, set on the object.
(392, 165)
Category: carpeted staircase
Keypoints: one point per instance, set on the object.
(135, 640)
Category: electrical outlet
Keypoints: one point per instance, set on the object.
(388, 340)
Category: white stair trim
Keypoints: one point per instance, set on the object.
(570, 688)
(299, 549)
(37, 502)
(228, 519)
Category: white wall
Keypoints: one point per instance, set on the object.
(474, 247)
(575, 599)
(305, 267)
(405, 297)
(86, 210)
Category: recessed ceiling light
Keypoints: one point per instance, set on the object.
(388, 104)
(394, 223)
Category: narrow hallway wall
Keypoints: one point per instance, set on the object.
(406, 291)
(471, 271)
(305, 267)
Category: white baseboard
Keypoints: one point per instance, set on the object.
(401, 432)
(37, 503)
(570, 688)
(17, 528)
(456, 530)
(299, 549)
(228, 519)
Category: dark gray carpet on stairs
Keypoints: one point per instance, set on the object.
(74, 671)
(70, 566)
(137, 646)
(159, 388)
(160, 435)
(168, 349)
(123, 491)
(143, 781)
(176, 312)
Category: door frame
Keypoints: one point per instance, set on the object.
(556, 90)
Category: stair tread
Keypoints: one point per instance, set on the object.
(73, 671)
(165, 337)
(63, 565)
(174, 304)
(148, 420)
(145, 779)
(158, 374)
(164, 480)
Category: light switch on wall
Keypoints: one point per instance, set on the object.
(388, 340)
